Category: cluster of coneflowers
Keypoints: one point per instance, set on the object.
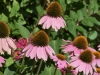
(83, 59)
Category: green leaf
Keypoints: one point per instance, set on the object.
(93, 35)
(9, 61)
(24, 31)
(72, 28)
(3, 17)
(39, 9)
(84, 11)
(1, 73)
(24, 3)
(63, 4)
(81, 29)
(73, 15)
(79, 15)
(56, 44)
(15, 8)
(8, 72)
(87, 22)
(94, 20)
(21, 21)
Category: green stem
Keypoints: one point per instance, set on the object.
(55, 71)
(33, 67)
(23, 60)
(39, 67)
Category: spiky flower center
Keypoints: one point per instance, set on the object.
(61, 57)
(40, 38)
(54, 9)
(97, 54)
(98, 70)
(86, 56)
(80, 42)
(4, 30)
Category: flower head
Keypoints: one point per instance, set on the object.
(21, 43)
(53, 18)
(17, 54)
(6, 43)
(2, 60)
(38, 47)
(75, 47)
(60, 61)
(84, 59)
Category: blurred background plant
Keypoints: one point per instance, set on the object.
(82, 17)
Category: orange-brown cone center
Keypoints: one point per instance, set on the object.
(80, 42)
(97, 54)
(54, 9)
(40, 38)
(61, 57)
(4, 30)
(86, 56)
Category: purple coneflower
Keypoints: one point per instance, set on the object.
(84, 62)
(75, 47)
(60, 61)
(2, 60)
(6, 43)
(39, 47)
(53, 18)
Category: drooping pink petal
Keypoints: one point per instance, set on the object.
(5, 46)
(52, 51)
(29, 51)
(11, 43)
(87, 69)
(0, 45)
(39, 53)
(49, 52)
(43, 54)
(27, 47)
(75, 63)
(53, 24)
(43, 19)
(90, 69)
(33, 52)
(48, 23)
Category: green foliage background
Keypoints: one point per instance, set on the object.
(82, 18)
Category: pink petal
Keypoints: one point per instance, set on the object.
(43, 19)
(27, 47)
(29, 51)
(39, 53)
(5, 46)
(98, 62)
(0, 45)
(48, 23)
(49, 52)
(53, 24)
(11, 43)
(91, 49)
(44, 54)
(90, 69)
(87, 69)
(33, 52)
(75, 63)
(51, 49)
